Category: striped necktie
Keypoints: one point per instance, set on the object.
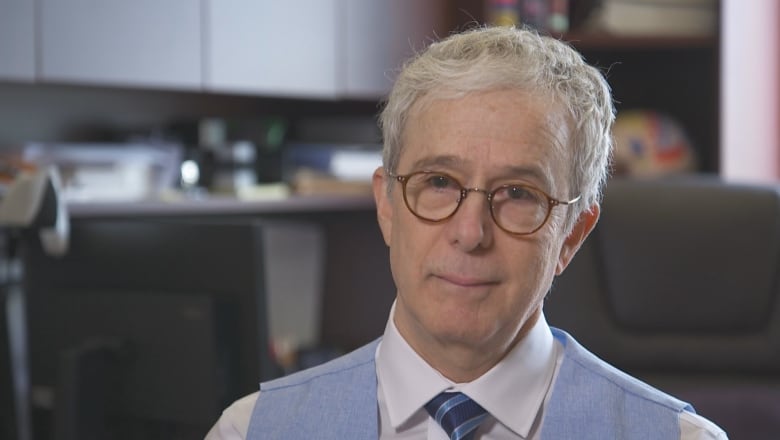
(457, 414)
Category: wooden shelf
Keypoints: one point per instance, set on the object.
(609, 42)
(222, 206)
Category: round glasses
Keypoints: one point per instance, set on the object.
(516, 208)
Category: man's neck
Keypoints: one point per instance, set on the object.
(462, 363)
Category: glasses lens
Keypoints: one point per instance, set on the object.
(432, 196)
(519, 209)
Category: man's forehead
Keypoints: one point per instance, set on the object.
(442, 135)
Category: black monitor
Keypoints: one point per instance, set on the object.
(147, 328)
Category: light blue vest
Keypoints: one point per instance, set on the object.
(590, 400)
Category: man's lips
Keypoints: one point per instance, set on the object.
(465, 280)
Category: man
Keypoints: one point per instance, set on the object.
(497, 143)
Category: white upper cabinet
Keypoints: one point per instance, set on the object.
(17, 40)
(277, 48)
(314, 48)
(380, 35)
(306, 48)
(148, 43)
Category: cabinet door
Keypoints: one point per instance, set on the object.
(17, 40)
(271, 47)
(380, 35)
(119, 42)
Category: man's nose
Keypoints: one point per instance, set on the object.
(472, 226)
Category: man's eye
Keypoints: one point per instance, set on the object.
(520, 193)
(439, 181)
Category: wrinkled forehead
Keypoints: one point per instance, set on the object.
(495, 129)
(557, 114)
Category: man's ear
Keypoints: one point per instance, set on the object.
(384, 206)
(582, 228)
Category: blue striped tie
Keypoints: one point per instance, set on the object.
(457, 414)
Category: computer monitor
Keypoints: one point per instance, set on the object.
(147, 328)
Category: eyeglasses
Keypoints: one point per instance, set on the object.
(516, 208)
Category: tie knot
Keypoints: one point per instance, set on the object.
(457, 414)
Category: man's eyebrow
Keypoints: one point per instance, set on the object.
(533, 172)
(438, 160)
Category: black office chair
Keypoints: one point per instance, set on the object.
(29, 205)
(14, 388)
(679, 285)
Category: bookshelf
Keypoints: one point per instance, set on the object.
(675, 75)
(678, 76)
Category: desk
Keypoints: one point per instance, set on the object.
(221, 206)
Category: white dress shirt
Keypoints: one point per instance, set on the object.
(514, 392)
(514, 401)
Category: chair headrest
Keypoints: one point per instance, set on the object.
(676, 246)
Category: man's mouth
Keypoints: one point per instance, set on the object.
(466, 280)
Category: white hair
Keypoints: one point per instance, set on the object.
(490, 58)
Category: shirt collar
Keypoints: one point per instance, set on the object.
(408, 382)
(513, 391)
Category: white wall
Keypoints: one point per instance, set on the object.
(750, 90)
